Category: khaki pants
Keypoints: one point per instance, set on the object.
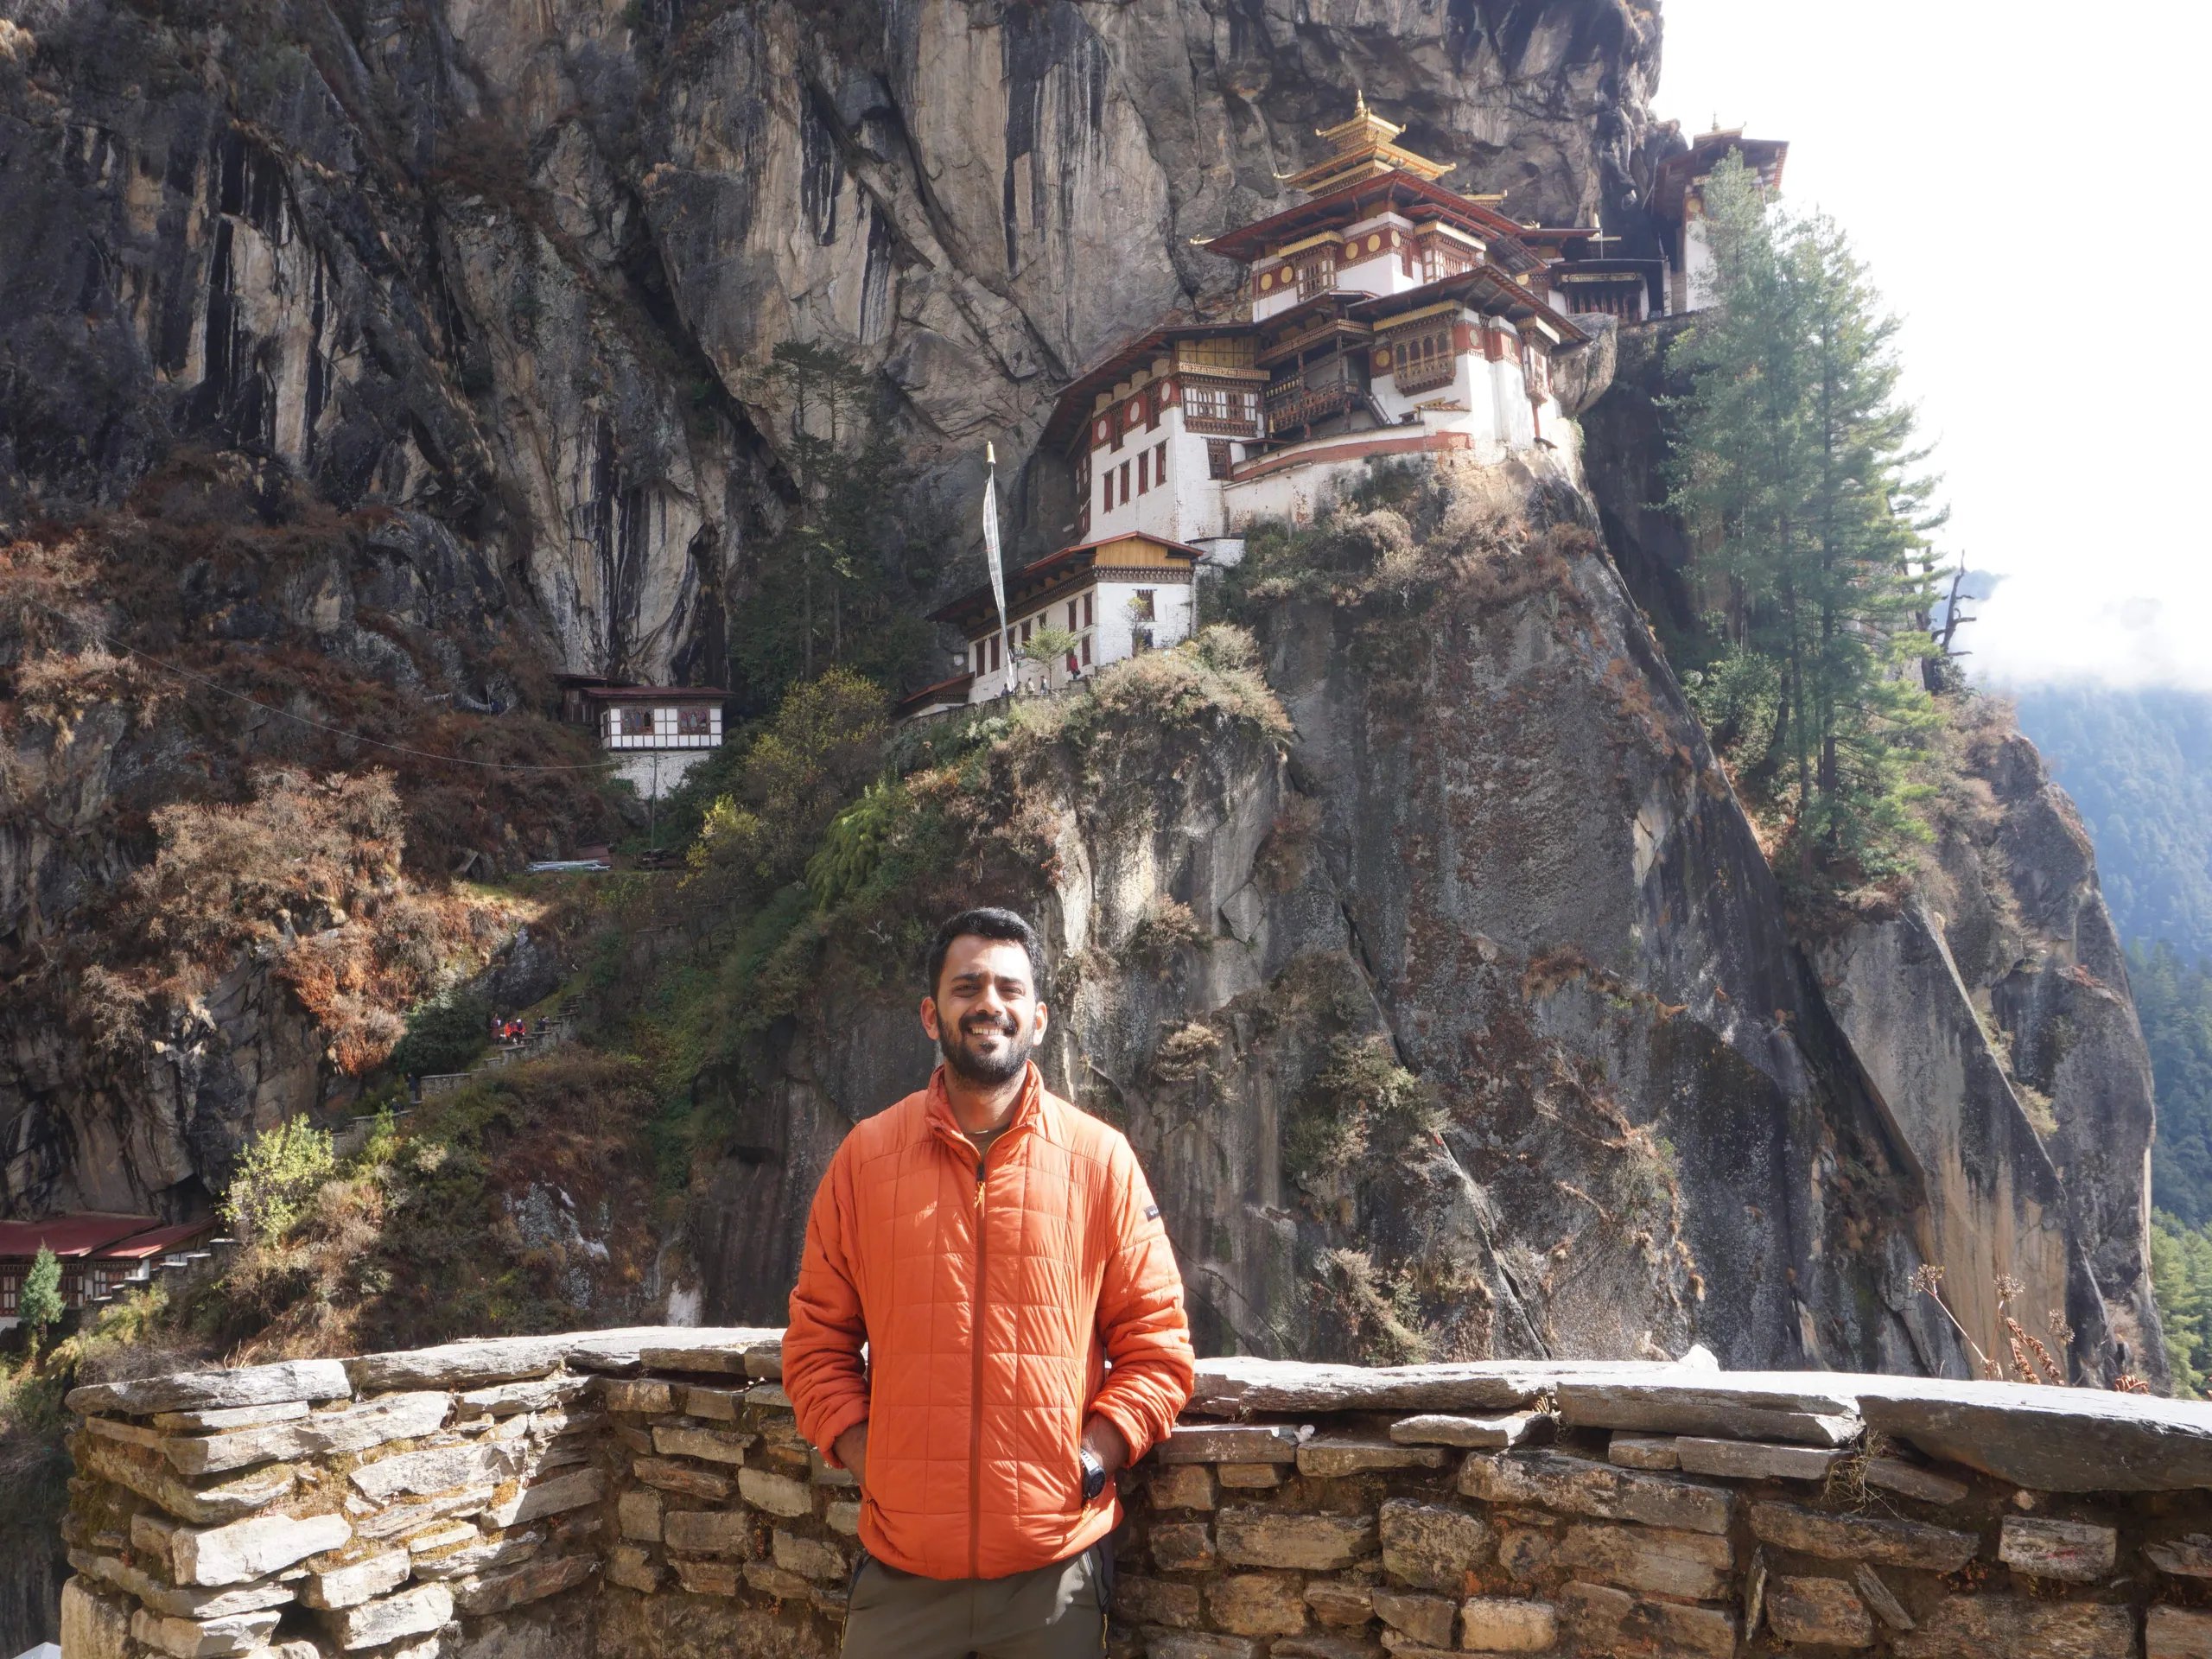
(1051, 1612)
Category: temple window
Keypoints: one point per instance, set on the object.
(637, 722)
(1144, 461)
(1421, 358)
(1219, 464)
(1125, 482)
(1231, 411)
(1086, 610)
(693, 722)
(1159, 462)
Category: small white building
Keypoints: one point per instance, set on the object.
(1117, 597)
(658, 733)
(1678, 207)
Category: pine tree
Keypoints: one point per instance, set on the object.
(1795, 469)
(39, 1305)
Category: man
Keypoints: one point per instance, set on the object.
(995, 1249)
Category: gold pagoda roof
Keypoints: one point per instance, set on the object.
(1363, 147)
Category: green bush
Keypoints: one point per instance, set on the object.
(443, 1035)
(279, 1171)
(39, 1304)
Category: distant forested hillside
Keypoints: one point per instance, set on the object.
(2138, 765)
(2175, 1003)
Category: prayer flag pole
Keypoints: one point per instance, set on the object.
(992, 556)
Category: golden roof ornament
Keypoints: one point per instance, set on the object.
(1362, 148)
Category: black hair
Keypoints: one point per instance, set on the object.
(988, 924)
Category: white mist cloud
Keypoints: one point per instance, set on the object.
(2020, 180)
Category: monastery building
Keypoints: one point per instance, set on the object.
(1384, 316)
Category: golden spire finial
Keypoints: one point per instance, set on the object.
(1358, 100)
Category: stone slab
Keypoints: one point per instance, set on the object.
(407, 1518)
(1822, 1613)
(1190, 1646)
(93, 1626)
(2189, 1557)
(777, 1494)
(672, 1477)
(1332, 1457)
(2044, 1548)
(1249, 1443)
(1553, 1480)
(510, 1551)
(1433, 1545)
(1497, 1624)
(323, 1433)
(357, 1581)
(1182, 1546)
(1427, 1619)
(248, 1385)
(495, 1593)
(1863, 1538)
(1255, 1604)
(1249, 1476)
(1490, 1433)
(185, 1638)
(1754, 1460)
(555, 1496)
(181, 1422)
(2018, 1628)
(709, 1445)
(2176, 1633)
(632, 1568)
(1879, 1598)
(1605, 1620)
(1911, 1480)
(1249, 1537)
(188, 1602)
(1694, 1566)
(1713, 1405)
(506, 1399)
(706, 1532)
(436, 1469)
(1340, 1601)
(2049, 1440)
(1229, 1387)
(152, 1479)
(252, 1548)
(414, 1611)
(1643, 1452)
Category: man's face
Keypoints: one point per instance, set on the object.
(985, 1016)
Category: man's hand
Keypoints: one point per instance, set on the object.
(1104, 1442)
(852, 1452)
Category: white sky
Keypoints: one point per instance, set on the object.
(2026, 183)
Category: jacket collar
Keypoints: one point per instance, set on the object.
(1031, 1112)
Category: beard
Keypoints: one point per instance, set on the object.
(1006, 1051)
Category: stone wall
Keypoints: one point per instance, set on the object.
(646, 1492)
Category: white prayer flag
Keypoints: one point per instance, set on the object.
(991, 552)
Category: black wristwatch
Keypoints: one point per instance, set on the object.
(1093, 1475)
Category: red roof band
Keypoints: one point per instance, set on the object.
(97, 1236)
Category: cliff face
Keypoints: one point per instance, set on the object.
(490, 286)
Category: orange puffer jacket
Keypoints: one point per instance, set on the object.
(991, 1298)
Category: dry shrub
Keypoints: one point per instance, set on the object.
(308, 872)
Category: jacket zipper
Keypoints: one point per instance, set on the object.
(975, 1389)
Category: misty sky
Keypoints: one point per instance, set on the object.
(2020, 180)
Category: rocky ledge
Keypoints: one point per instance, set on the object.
(646, 1492)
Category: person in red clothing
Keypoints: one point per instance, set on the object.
(999, 1254)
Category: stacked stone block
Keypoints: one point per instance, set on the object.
(646, 1493)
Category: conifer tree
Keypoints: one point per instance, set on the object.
(1794, 468)
(39, 1305)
